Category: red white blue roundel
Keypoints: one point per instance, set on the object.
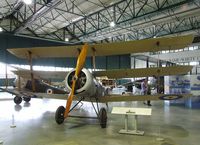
(170, 97)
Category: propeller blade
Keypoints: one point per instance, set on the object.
(69, 99)
(79, 66)
(81, 59)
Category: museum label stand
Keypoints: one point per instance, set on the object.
(134, 112)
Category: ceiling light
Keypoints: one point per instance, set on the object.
(66, 39)
(112, 24)
(1, 29)
(28, 2)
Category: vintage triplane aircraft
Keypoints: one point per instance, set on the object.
(82, 83)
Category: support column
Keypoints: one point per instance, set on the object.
(134, 62)
(126, 122)
(135, 123)
(147, 65)
(133, 132)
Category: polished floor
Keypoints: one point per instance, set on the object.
(35, 125)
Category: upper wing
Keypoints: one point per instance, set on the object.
(120, 98)
(143, 72)
(106, 49)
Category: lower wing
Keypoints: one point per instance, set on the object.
(21, 93)
(124, 98)
(105, 99)
(118, 98)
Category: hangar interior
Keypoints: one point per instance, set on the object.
(43, 23)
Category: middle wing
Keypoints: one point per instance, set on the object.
(41, 74)
(143, 72)
(114, 73)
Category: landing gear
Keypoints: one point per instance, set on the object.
(103, 117)
(27, 99)
(17, 100)
(59, 116)
(101, 114)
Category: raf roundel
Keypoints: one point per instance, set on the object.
(170, 97)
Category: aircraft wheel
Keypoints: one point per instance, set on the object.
(27, 99)
(59, 116)
(17, 100)
(103, 117)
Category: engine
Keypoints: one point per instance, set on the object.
(86, 85)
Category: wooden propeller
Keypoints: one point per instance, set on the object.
(79, 66)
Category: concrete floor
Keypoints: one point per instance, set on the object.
(35, 125)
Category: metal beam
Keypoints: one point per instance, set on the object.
(12, 17)
(135, 19)
(42, 11)
(16, 8)
(122, 12)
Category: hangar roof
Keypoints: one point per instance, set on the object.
(89, 20)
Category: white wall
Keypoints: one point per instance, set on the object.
(138, 63)
(184, 56)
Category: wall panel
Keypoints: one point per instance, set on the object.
(113, 62)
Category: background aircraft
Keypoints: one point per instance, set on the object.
(82, 83)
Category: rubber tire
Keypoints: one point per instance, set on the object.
(27, 99)
(17, 100)
(103, 117)
(59, 116)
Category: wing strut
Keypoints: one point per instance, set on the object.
(31, 69)
(158, 71)
(19, 83)
(93, 58)
(6, 81)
